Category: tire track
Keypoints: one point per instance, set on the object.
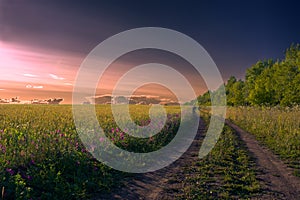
(276, 176)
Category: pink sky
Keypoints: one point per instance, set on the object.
(27, 72)
(39, 73)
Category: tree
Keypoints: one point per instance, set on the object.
(266, 83)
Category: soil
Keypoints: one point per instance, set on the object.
(276, 178)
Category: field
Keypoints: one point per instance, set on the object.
(42, 156)
(277, 128)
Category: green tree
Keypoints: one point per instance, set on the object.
(238, 93)
(254, 78)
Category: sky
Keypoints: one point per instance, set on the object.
(43, 43)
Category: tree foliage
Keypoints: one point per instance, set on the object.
(267, 82)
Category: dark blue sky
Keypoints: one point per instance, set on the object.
(235, 33)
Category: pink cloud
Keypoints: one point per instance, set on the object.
(56, 77)
(30, 75)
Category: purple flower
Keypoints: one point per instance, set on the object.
(29, 177)
(10, 171)
(32, 162)
(3, 148)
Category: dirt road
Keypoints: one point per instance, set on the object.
(274, 174)
(275, 177)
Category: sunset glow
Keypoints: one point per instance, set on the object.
(42, 45)
(33, 73)
(30, 73)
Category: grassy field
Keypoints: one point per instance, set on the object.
(278, 128)
(43, 158)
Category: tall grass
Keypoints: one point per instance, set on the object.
(278, 128)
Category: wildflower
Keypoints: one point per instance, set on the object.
(10, 171)
(32, 162)
(3, 148)
(101, 139)
(29, 177)
(122, 136)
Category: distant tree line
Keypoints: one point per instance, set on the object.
(267, 82)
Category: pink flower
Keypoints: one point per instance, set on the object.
(101, 139)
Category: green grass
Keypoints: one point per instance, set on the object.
(42, 157)
(227, 172)
(278, 128)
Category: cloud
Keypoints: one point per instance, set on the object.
(56, 77)
(38, 87)
(30, 75)
(34, 86)
(2, 89)
(68, 83)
